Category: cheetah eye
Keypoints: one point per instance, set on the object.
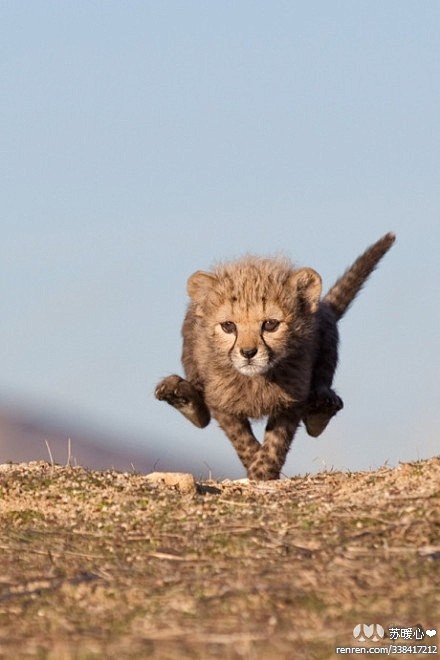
(228, 327)
(270, 325)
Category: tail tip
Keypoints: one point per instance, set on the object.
(390, 237)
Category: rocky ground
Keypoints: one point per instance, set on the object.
(108, 564)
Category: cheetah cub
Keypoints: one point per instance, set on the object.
(258, 341)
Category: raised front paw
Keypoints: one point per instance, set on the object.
(174, 390)
(324, 400)
(322, 405)
(183, 396)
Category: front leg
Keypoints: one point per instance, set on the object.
(185, 398)
(239, 432)
(323, 403)
(278, 437)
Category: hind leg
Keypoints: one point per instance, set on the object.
(270, 458)
(183, 396)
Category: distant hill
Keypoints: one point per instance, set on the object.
(28, 436)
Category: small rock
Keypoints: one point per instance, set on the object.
(184, 481)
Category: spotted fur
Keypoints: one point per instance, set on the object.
(258, 341)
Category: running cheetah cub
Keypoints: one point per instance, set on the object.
(258, 341)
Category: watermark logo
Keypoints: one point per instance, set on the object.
(415, 640)
(416, 632)
(372, 632)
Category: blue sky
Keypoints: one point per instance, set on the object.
(141, 141)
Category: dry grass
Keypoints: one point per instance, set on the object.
(109, 565)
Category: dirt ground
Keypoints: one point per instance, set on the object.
(107, 564)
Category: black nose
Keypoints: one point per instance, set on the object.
(248, 352)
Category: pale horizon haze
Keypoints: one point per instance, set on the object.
(142, 141)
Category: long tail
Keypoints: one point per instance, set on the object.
(343, 292)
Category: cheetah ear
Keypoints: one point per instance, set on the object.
(307, 285)
(199, 284)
